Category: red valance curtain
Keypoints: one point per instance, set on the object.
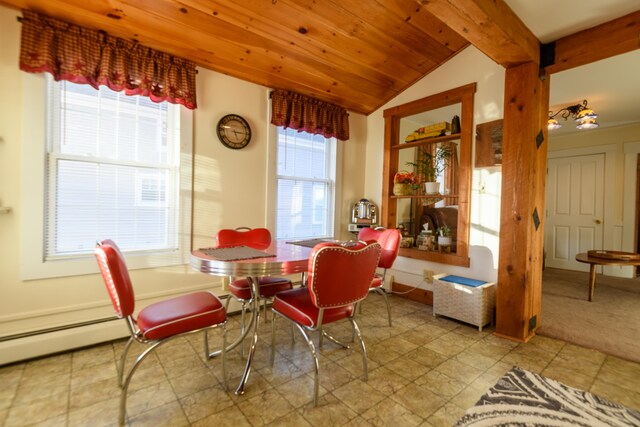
(82, 55)
(303, 113)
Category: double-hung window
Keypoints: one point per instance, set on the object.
(112, 169)
(305, 185)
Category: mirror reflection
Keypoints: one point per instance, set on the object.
(428, 171)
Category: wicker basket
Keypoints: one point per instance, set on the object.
(400, 189)
(474, 305)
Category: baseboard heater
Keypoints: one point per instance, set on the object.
(72, 326)
(57, 329)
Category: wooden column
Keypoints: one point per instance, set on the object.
(524, 163)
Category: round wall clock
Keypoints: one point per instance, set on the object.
(234, 131)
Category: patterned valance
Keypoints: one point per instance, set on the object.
(303, 113)
(81, 55)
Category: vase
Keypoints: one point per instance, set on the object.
(444, 240)
(431, 187)
(400, 189)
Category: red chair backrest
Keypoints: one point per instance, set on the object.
(389, 239)
(116, 277)
(341, 275)
(258, 238)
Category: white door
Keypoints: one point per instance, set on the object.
(575, 209)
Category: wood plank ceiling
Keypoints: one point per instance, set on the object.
(355, 54)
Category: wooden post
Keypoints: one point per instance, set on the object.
(524, 163)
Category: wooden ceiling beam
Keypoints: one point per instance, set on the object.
(491, 26)
(603, 41)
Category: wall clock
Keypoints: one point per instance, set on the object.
(234, 131)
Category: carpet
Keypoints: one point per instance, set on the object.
(523, 398)
(610, 323)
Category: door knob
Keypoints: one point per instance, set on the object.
(597, 221)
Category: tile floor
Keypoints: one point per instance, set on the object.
(423, 371)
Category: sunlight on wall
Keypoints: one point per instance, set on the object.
(485, 215)
(208, 206)
(491, 111)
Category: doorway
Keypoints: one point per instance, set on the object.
(575, 209)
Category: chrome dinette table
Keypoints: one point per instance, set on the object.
(283, 259)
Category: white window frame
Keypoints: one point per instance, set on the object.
(333, 167)
(34, 266)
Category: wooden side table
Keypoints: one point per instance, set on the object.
(594, 258)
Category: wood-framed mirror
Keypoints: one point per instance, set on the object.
(421, 131)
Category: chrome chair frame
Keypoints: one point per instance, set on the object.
(153, 344)
(304, 329)
(316, 363)
(136, 335)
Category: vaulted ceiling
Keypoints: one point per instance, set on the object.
(352, 53)
(340, 51)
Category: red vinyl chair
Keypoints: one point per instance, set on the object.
(156, 323)
(389, 240)
(339, 276)
(257, 238)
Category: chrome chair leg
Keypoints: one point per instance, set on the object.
(125, 386)
(333, 339)
(223, 355)
(386, 300)
(273, 338)
(314, 353)
(362, 348)
(123, 359)
(316, 364)
(208, 355)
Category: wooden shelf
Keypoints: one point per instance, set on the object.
(396, 153)
(433, 256)
(421, 142)
(424, 196)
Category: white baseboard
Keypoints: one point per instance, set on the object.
(54, 342)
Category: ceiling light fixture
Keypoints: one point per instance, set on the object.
(585, 116)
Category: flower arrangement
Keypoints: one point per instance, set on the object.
(404, 177)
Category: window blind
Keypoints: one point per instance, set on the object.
(112, 171)
(305, 185)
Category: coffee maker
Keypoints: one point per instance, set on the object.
(363, 214)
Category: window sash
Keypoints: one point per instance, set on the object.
(305, 192)
(94, 203)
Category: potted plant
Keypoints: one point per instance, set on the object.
(444, 235)
(430, 166)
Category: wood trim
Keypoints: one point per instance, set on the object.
(442, 258)
(600, 42)
(523, 191)
(491, 26)
(414, 294)
(636, 239)
(432, 102)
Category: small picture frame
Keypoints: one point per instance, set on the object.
(489, 144)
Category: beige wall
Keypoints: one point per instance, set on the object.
(229, 190)
(467, 67)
